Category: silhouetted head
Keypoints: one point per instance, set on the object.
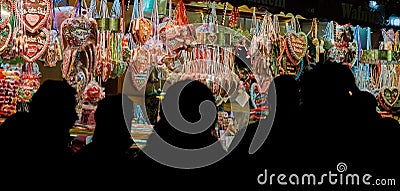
(111, 126)
(192, 95)
(365, 102)
(54, 104)
(287, 92)
(331, 83)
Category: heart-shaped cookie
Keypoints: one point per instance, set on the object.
(32, 19)
(212, 38)
(139, 79)
(141, 30)
(34, 14)
(6, 12)
(5, 36)
(76, 31)
(181, 37)
(36, 44)
(390, 95)
(296, 46)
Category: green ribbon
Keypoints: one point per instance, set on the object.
(110, 24)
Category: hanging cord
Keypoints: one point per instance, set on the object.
(141, 9)
(135, 14)
(116, 9)
(358, 42)
(277, 25)
(212, 18)
(170, 9)
(93, 9)
(78, 11)
(396, 41)
(122, 22)
(254, 23)
(155, 21)
(293, 25)
(52, 17)
(103, 9)
(369, 42)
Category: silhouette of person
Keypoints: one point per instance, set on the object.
(327, 112)
(378, 135)
(111, 139)
(366, 105)
(12, 137)
(53, 110)
(189, 102)
(39, 140)
(281, 122)
(190, 98)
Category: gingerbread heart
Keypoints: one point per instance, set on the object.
(5, 36)
(212, 38)
(390, 95)
(141, 29)
(139, 79)
(76, 31)
(296, 46)
(35, 14)
(6, 12)
(32, 19)
(36, 44)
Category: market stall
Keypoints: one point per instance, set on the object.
(138, 46)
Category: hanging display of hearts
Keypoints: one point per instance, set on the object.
(136, 55)
(34, 14)
(154, 43)
(113, 52)
(178, 34)
(345, 45)
(78, 41)
(5, 37)
(296, 46)
(35, 44)
(6, 12)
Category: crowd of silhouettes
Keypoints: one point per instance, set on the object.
(319, 120)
